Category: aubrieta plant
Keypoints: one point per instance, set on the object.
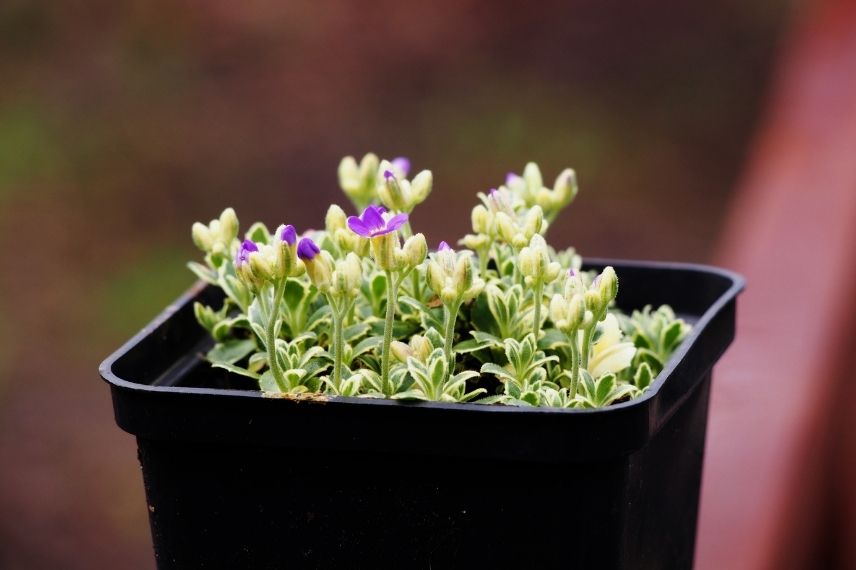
(363, 309)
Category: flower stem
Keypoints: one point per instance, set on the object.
(336, 314)
(273, 315)
(538, 290)
(451, 315)
(575, 363)
(387, 331)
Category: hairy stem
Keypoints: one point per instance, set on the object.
(336, 314)
(273, 314)
(539, 298)
(387, 331)
(575, 363)
(450, 316)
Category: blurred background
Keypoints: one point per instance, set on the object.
(121, 123)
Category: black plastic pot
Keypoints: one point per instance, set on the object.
(235, 480)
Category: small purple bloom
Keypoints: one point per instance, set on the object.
(288, 234)
(571, 272)
(510, 178)
(372, 222)
(307, 249)
(243, 255)
(387, 174)
(401, 164)
(443, 246)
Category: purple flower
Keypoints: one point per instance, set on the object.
(287, 234)
(373, 222)
(387, 174)
(443, 246)
(307, 249)
(571, 272)
(243, 255)
(401, 164)
(510, 178)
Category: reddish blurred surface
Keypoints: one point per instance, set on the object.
(122, 123)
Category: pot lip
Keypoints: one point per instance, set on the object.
(737, 284)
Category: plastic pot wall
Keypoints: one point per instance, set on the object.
(235, 480)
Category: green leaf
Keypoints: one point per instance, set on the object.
(553, 339)
(231, 351)
(670, 337)
(258, 233)
(471, 345)
(235, 369)
(354, 332)
(605, 384)
(295, 292)
(203, 272)
(643, 376)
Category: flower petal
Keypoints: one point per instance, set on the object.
(358, 227)
(614, 359)
(395, 222)
(307, 249)
(373, 218)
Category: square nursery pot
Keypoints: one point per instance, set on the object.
(236, 480)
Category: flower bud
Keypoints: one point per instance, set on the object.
(392, 193)
(482, 220)
(421, 186)
(558, 311)
(436, 277)
(421, 347)
(463, 276)
(384, 248)
(527, 262)
(261, 266)
(608, 285)
(506, 227)
(592, 300)
(400, 351)
(475, 241)
(576, 312)
(415, 250)
(349, 176)
(202, 237)
(533, 222)
(565, 189)
(335, 220)
(534, 181)
(228, 226)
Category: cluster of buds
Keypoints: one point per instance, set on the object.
(451, 276)
(581, 306)
(396, 192)
(359, 181)
(217, 236)
(419, 347)
(336, 225)
(535, 265)
(376, 224)
(339, 278)
(530, 188)
(256, 263)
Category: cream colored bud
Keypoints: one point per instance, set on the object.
(533, 222)
(527, 262)
(335, 220)
(436, 276)
(261, 266)
(506, 227)
(400, 350)
(228, 225)
(384, 248)
(352, 268)
(534, 181)
(482, 220)
(320, 270)
(576, 311)
(415, 250)
(565, 189)
(368, 168)
(592, 300)
(474, 291)
(421, 347)
(552, 272)
(394, 194)
(558, 310)
(421, 187)
(608, 285)
(476, 242)
(349, 176)
(202, 237)
(463, 277)
(285, 256)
